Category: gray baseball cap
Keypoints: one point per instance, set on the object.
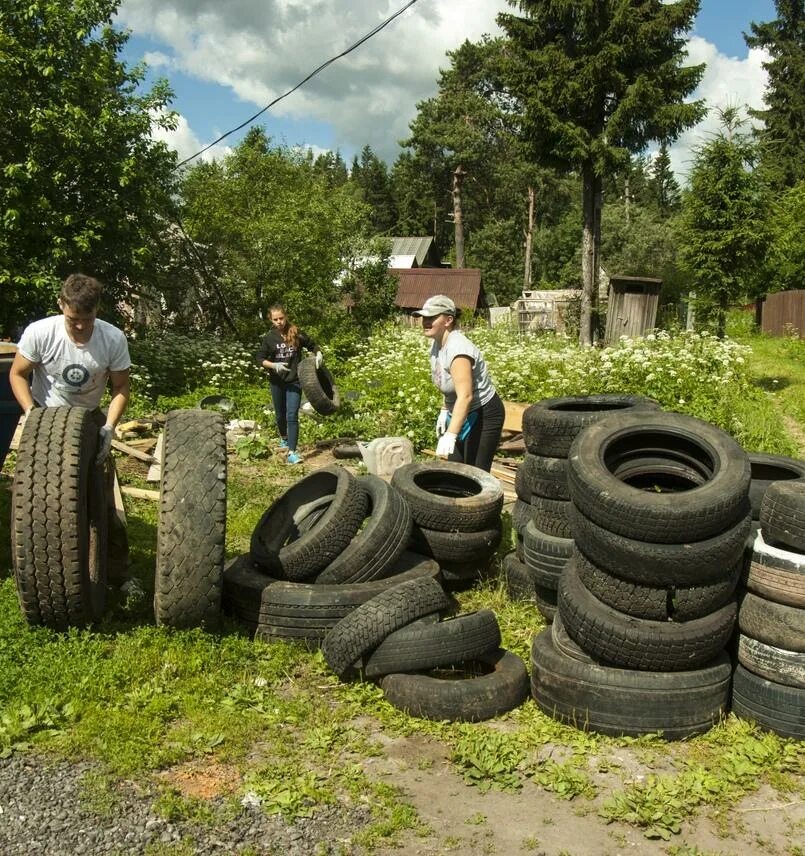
(439, 304)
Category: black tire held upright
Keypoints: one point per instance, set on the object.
(59, 519)
(192, 520)
(319, 386)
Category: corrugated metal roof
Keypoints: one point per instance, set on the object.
(417, 247)
(417, 285)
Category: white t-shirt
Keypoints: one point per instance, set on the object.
(458, 345)
(71, 374)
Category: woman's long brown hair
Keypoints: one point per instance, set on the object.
(291, 334)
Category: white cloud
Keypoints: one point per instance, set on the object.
(261, 49)
(186, 143)
(727, 82)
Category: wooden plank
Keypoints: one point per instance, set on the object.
(130, 450)
(155, 470)
(120, 509)
(140, 493)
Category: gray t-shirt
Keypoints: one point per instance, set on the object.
(441, 359)
(71, 374)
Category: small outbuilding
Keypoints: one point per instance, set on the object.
(631, 306)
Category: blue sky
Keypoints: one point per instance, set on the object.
(226, 61)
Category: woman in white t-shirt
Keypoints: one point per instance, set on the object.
(471, 419)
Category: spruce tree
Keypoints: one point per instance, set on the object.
(782, 137)
(598, 80)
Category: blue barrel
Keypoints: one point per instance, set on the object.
(10, 411)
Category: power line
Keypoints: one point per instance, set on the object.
(365, 38)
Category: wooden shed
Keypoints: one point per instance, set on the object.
(631, 306)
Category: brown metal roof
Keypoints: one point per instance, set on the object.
(417, 285)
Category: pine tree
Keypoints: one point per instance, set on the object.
(782, 136)
(665, 187)
(598, 80)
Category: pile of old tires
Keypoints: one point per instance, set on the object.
(332, 565)
(541, 515)
(659, 504)
(769, 679)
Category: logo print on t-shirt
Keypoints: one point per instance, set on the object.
(75, 374)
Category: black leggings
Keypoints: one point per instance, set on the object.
(478, 449)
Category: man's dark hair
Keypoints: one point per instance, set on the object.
(80, 292)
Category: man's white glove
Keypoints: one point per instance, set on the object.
(105, 437)
(446, 445)
(441, 422)
(281, 369)
(319, 359)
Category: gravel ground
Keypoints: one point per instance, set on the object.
(42, 812)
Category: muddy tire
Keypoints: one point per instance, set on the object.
(773, 623)
(624, 702)
(493, 684)
(659, 507)
(451, 497)
(191, 529)
(319, 386)
(774, 664)
(283, 548)
(59, 522)
(776, 574)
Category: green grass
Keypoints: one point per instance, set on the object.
(140, 699)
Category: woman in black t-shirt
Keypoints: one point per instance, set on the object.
(280, 354)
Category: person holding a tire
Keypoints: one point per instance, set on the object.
(66, 361)
(470, 422)
(280, 355)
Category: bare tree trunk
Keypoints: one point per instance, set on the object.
(598, 198)
(690, 321)
(458, 178)
(529, 234)
(587, 255)
(627, 199)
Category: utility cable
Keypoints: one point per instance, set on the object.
(373, 32)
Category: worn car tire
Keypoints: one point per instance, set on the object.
(425, 645)
(456, 547)
(773, 706)
(622, 640)
(360, 632)
(782, 514)
(776, 574)
(550, 425)
(465, 696)
(58, 525)
(625, 702)
(661, 508)
(191, 529)
(767, 469)
(774, 664)
(289, 551)
(319, 386)
(383, 538)
(451, 497)
(546, 555)
(773, 623)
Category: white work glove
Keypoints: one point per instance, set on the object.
(441, 422)
(319, 359)
(281, 369)
(105, 437)
(446, 445)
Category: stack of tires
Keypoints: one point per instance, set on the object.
(769, 679)
(660, 515)
(329, 543)
(456, 512)
(541, 514)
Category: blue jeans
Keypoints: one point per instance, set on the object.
(286, 399)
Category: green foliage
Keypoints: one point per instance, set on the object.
(488, 759)
(722, 227)
(252, 447)
(83, 184)
(786, 258)
(566, 780)
(782, 159)
(288, 789)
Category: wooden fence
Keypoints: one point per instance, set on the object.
(784, 313)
